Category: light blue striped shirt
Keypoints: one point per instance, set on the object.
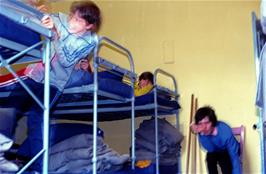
(66, 51)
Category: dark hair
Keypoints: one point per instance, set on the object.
(146, 76)
(89, 11)
(206, 111)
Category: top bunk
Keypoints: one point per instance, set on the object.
(20, 33)
(114, 100)
(112, 91)
(111, 87)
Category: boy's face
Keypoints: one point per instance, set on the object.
(84, 64)
(78, 25)
(143, 83)
(205, 126)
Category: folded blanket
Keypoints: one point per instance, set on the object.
(77, 141)
(169, 139)
(168, 132)
(74, 155)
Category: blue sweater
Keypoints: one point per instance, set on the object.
(224, 140)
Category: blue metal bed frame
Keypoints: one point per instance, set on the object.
(259, 43)
(155, 106)
(95, 99)
(7, 9)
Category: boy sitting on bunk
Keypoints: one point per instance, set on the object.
(75, 38)
(145, 84)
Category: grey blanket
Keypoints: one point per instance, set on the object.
(169, 139)
(74, 155)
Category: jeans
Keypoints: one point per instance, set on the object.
(7, 121)
(23, 102)
(221, 158)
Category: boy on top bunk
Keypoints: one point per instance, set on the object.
(75, 38)
(145, 84)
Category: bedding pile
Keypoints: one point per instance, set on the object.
(74, 155)
(169, 139)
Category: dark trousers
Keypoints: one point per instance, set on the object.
(23, 102)
(220, 158)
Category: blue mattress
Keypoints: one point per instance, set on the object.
(113, 102)
(148, 170)
(84, 92)
(14, 32)
(80, 106)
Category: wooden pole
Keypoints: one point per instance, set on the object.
(189, 133)
(195, 138)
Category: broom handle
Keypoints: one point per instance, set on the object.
(195, 138)
(189, 132)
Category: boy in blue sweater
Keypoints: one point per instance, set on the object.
(217, 139)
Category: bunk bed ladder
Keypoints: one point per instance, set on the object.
(157, 156)
(95, 92)
(7, 10)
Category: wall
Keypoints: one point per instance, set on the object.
(206, 45)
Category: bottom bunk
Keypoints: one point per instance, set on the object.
(71, 149)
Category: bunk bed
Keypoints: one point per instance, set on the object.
(259, 39)
(77, 104)
(112, 97)
(95, 102)
(15, 49)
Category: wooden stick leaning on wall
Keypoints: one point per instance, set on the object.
(195, 137)
(189, 132)
(192, 139)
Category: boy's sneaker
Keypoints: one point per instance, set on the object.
(5, 143)
(7, 166)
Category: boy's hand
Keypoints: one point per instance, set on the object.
(48, 22)
(194, 128)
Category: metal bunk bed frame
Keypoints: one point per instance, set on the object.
(175, 94)
(27, 22)
(258, 45)
(96, 64)
(7, 8)
(99, 62)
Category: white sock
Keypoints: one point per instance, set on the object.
(5, 143)
(7, 166)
